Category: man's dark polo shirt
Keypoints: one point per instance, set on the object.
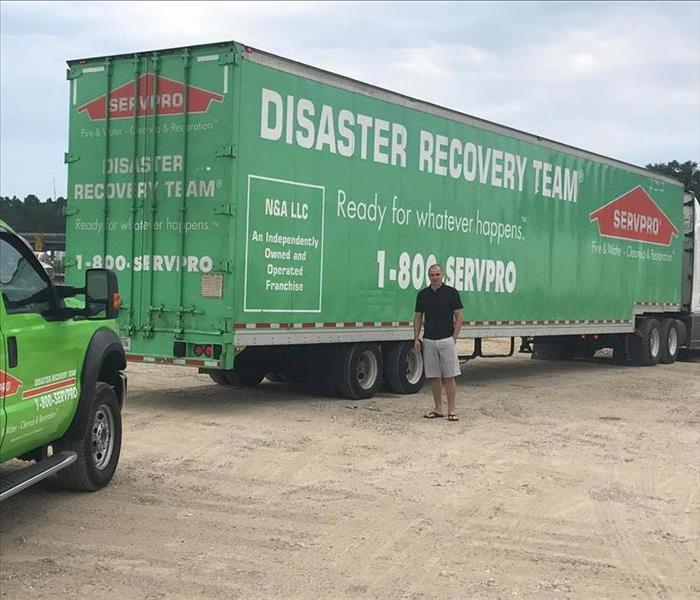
(438, 307)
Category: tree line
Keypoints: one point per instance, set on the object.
(34, 215)
(688, 173)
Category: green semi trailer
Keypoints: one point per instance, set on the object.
(268, 217)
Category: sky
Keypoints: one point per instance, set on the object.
(620, 79)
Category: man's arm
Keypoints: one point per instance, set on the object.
(459, 319)
(417, 324)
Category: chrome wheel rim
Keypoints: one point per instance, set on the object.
(672, 341)
(414, 366)
(367, 370)
(102, 436)
(654, 342)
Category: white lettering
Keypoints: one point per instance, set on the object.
(271, 98)
(425, 160)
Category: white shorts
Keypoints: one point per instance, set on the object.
(440, 358)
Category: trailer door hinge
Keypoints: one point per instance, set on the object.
(226, 151)
(227, 58)
(192, 310)
(70, 157)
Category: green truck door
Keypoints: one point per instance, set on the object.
(40, 357)
(4, 380)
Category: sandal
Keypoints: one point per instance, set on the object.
(433, 415)
(452, 418)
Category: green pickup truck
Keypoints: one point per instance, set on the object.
(61, 382)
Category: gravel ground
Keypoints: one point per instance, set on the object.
(561, 480)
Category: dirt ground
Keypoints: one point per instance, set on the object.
(561, 480)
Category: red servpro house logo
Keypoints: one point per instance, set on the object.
(147, 94)
(9, 385)
(635, 216)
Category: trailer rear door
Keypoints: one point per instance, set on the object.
(150, 176)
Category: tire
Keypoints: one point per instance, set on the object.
(645, 343)
(359, 367)
(220, 377)
(682, 332)
(274, 376)
(98, 451)
(247, 376)
(403, 368)
(670, 340)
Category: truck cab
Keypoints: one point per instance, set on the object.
(61, 381)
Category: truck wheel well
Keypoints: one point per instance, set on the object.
(109, 372)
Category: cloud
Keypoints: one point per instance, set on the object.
(620, 79)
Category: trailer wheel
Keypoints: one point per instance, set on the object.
(670, 340)
(245, 376)
(645, 343)
(682, 332)
(360, 370)
(220, 378)
(403, 368)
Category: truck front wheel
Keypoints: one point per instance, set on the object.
(403, 368)
(98, 450)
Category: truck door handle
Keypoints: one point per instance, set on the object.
(11, 351)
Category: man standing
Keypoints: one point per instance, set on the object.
(442, 308)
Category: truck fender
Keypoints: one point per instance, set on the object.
(103, 360)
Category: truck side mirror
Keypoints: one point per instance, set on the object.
(101, 294)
